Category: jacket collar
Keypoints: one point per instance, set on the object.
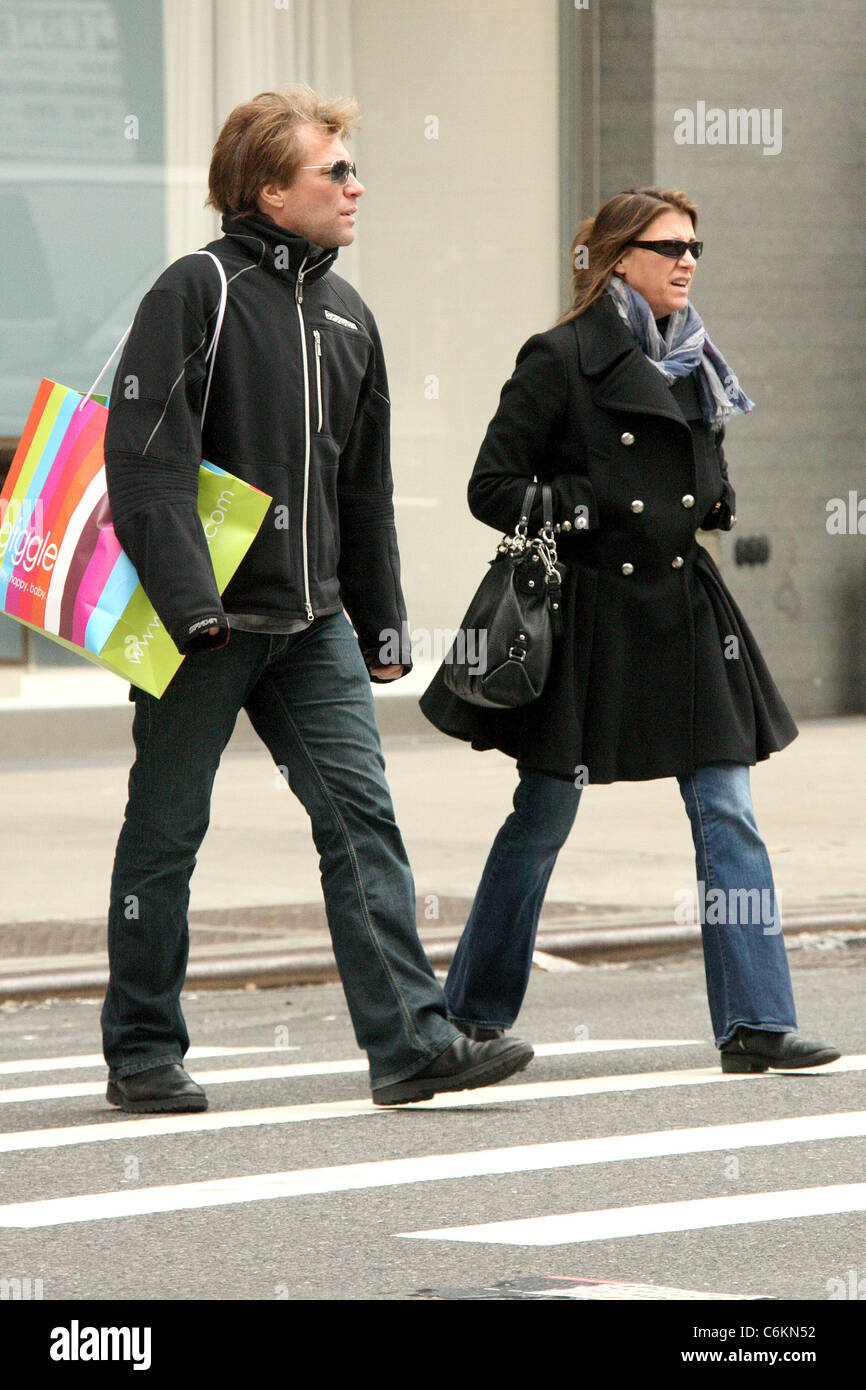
(622, 377)
(282, 253)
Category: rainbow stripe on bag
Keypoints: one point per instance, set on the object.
(58, 551)
(62, 570)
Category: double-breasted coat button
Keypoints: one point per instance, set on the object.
(626, 438)
(566, 526)
(676, 562)
(733, 521)
(637, 505)
(688, 500)
(627, 568)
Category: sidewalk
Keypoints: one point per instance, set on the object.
(256, 912)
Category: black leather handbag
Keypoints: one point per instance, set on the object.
(501, 654)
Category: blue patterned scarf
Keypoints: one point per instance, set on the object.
(685, 347)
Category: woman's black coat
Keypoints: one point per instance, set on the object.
(656, 670)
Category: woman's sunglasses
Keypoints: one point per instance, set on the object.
(339, 171)
(673, 250)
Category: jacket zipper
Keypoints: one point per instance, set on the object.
(299, 299)
(318, 337)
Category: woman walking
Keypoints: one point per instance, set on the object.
(622, 407)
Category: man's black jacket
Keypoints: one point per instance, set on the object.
(298, 407)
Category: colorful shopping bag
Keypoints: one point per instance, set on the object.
(62, 570)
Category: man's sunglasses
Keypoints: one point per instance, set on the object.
(673, 250)
(339, 171)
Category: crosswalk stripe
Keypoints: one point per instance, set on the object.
(143, 1127)
(78, 1061)
(341, 1109)
(617, 1223)
(442, 1167)
(70, 1089)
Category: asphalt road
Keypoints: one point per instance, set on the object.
(354, 1234)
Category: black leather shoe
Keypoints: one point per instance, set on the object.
(754, 1049)
(461, 1067)
(478, 1032)
(155, 1091)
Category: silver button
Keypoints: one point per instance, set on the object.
(627, 568)
(626, 438)
(688, 500)
(637, 505)
(566, 526)
(733, 521)
(581, 523)
(676, 562)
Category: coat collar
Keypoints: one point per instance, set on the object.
(621, 375)
(275, 249)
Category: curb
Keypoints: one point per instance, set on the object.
(270, 969)
(70, 731)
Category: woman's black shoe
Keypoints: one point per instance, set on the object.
(754, 1049)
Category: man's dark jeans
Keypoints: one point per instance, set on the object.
(308, 697)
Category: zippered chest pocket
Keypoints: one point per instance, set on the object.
(338, 362)
(317, 338)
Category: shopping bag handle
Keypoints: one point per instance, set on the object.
(210, 355)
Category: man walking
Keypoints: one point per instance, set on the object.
(298, 406)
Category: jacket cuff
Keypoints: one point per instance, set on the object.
(197, 637)
(393, 649)
(574, 504)
(721, 516)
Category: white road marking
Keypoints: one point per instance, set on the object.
(609, 1290)
(79, 1060)
(144, 1126)
(340, 1109)
(443, 1167)
(66, 1090)
(617, 1223)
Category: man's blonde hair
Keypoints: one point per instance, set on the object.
(260, 143)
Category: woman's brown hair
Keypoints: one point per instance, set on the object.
(604, 237)
(260, 143)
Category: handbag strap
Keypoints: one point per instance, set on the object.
(210, 355)
(526, 508)
(547, 511)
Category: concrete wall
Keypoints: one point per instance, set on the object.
(626, 86)
(459, 249)
(781, 289)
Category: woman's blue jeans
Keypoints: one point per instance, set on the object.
(748, 981)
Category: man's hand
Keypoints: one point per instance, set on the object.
(386, 673)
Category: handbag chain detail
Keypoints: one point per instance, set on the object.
(501, 654)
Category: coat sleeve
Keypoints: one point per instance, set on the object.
(369, 564)
(532, 406)
(152, 458)
(722, 514)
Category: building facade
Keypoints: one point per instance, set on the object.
(489, 129)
